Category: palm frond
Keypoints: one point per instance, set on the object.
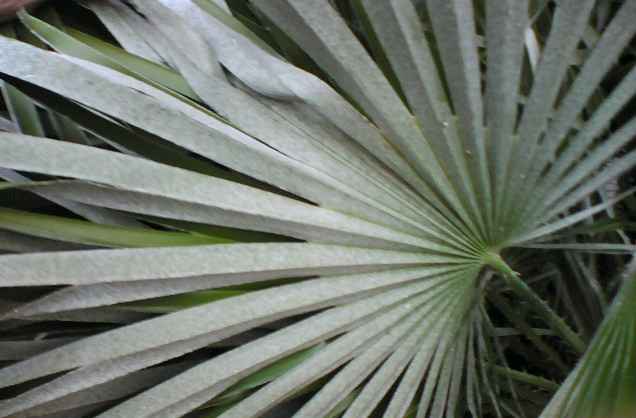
(603, 385)
(259, 202)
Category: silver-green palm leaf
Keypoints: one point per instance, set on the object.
(298, 202)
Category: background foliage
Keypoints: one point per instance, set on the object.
(293, 207)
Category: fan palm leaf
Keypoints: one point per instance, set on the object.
(603, 385)
(339, 197)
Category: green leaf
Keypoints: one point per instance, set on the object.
(78, 44)
(22, 110)
(526, 378)
(269, 373)
(230, 317)
(604, 381)
(149, 70)
(174, 303)
(128, 139)
(375, 186)
(83, 232)
(194, 191)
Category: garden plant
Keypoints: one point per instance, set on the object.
(313, 208)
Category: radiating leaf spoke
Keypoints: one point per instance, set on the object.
(333, 209)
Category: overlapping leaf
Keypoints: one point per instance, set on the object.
(405, 169)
